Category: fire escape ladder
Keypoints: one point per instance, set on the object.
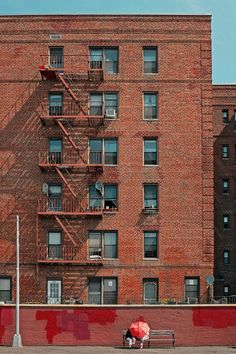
(72, 229)
(67, 135)
(73, 181)
(67, 83)
(64, 228)
(66, 182)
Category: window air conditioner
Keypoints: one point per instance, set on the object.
(110, 113)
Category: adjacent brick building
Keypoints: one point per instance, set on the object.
(224, 113)
(107, 156)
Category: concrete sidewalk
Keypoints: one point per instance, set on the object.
(116, 350)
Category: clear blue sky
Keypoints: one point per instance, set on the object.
(223, 20)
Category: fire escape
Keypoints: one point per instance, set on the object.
(71, 162)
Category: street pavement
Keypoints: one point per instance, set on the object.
(116, 350)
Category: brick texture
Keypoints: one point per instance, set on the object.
(184, 129)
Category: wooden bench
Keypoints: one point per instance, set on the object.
(156, 335)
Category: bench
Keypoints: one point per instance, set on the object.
(161, 336)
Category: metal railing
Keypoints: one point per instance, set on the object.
(57, 252)
(69, 157)
(64, 205)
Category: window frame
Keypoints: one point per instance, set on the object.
(59, 108)
(235, 120)
(225, 251)
(227, 147)
(56, 279)
(150, 209)
(148, 281)
(103, 152)
(49, 56)
(102, 237)
(6, 277)
(143, 105)
(225, 191)
(143, 61)
(157, 244)
(157, 157)
(102, 290)
(103, 106)
(58, 250)
(198, 289)
(102, 198)
(103, 49)
(224, 292)
(225, 119)
(226, 225)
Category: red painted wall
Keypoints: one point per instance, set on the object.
(83, 325)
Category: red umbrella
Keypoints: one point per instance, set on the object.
(139, 329)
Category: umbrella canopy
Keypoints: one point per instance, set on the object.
(139, 329)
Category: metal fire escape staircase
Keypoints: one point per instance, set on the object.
(66, 124)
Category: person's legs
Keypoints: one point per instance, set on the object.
(133, 340)
(130, 341)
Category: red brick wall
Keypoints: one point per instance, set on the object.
(43, 325)
(184, 129)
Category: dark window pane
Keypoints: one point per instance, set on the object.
(55, 104)
(95, 198)
(111, 60)
(225, 183)
(150, 196)
(110, 197)
(110, 291)
(94, 291)
(150, 152)
(110, 244)
(150, 106)
(96, 104)
(95, 146)
(225, 116)
(150, 60)
(5, 289)
(96, 58)
(95, 244)
(56, 57)
(110, 146)
(150, 291)
(150, 244)
(191, 289)
(225, 151)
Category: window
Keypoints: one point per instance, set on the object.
(5, 289)
(102, 291)
(102, 244)
(150, 151)
(150, 60)
(56, 57)
(150, 244)
(54, 291)
(226, 257)
(55, 151)
(110, 197)
(225, 116)
(235, 120)
(106, 199)
(108, 56)
(150, 291)
(110, 104)
(191, 289)
(150, 106)
(54, 245)
(54, 198)
(226, 221)
(150, 196)
(96, 148)
(55, 104)
(225, 182)
(225, 151)
(226, 290)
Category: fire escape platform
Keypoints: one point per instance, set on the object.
(72, 261)
(74, 119)
(71, 213)
(81, 167)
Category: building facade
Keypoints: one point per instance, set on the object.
(107, 158)
(224, 113)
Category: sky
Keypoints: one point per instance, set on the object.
(223, 20)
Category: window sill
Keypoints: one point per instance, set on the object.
(150, 165)
(110, 211)
(150, 119)
(150, 211)
(151, 259)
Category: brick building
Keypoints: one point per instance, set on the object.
(224, 113)
(107, 157)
